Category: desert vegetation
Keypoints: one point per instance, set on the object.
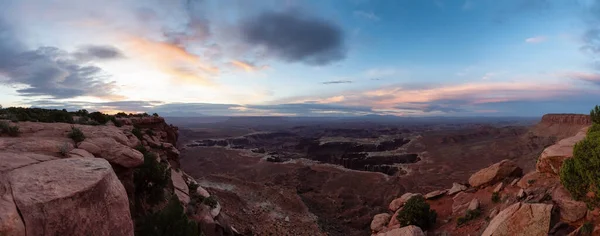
(169, 221)
(417, 212)
(10, 130)
(16, 114)
(151, 178)
(579, 174)
(76, 134)
(469, 215)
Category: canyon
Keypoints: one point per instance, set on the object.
(331, 178)
(279, 177)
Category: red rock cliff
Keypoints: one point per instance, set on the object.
(568, 119)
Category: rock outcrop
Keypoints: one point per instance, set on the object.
(570, 209)
(399, 202)
(380, 221)
(570, 119)
(45, 175)
(521, 219)
(47, 193)
(495, 173)
(552, 157)
(410, 230)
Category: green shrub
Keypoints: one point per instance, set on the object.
(210, 201)
(495, 197)
(76, 135)
(149, 132)
(137, 132)
(470, 215)
(572, 180)
(531, 181)
(587, 228)
(155, 114)
(417, 212)
(64, 149)
(4, 126)
(83, 120)
(121, 114)
(151, 178)
(99, 117)
(595, 114)
(193, 187)
(38, 114)
(169, 221)
(116, 122)
(580, 174)
(594, 129)
(13, 131)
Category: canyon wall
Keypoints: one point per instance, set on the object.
(51, 184)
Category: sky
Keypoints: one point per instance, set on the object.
(302, 57)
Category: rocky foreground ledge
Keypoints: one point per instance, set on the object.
(51, 184)
(500, 200)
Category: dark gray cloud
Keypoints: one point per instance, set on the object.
(295, 37)
(98, 52)
(49, 71)
(338, 82)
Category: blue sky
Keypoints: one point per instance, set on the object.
(302, 58)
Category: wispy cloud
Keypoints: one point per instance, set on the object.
(248, 66)
(173, 60)
(584, 76)
(536, 39)
(338, 82)
(367, 15)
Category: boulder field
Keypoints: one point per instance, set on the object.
(52, 185)
(506, 201)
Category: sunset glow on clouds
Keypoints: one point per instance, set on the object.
(301, 58)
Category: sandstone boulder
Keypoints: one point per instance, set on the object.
(410, 230)
(435, 194)
(13, 160)
(521, 219)
(178, 181)
(570, 209)
(41, 145)
(112, 151)
(394, 220)
(552, 157)
(456, 187)
(380, 221)
(11, 223)
(399, 202)
(77, 152)
(48, 193)
(495, 173)
(473, 204)
(498, 187)
(461, 202)
(202, 192)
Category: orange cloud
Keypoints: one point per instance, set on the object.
(173, 60)
(248, 67)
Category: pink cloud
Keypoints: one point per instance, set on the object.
(536, 39)
(590, 77)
